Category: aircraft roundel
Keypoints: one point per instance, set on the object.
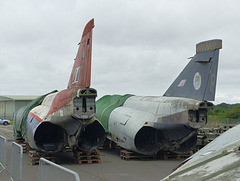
(197, 81)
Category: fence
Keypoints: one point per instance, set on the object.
(16, 162)
(215, 122)
(47, 170)
(2, 153)
(51, 171)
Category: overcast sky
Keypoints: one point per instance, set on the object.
(139, 46)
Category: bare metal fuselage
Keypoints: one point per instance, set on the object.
(147, 124)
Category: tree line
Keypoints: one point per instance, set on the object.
(225, 110)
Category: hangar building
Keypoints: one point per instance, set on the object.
(10, 104)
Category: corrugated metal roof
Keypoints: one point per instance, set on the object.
(17, 97)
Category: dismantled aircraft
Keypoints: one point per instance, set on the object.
(65, 118)
(146, 124)
(218, 160)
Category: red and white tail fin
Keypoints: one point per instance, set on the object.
(81, 72)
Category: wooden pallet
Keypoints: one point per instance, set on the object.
(167, 155)
(35, 161)
(89, 157)
(81, 157)
(88, 161)
(23, 144)
(86, 153)
(35, 156)
(67, 149)
(129, 155)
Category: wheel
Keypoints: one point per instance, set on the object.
(5, 123)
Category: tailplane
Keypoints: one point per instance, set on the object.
(198, 79)
(81, 72)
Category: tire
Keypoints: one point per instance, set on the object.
(5, 123)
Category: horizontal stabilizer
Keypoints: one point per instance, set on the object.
(198, 79)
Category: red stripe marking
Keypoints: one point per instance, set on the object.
(60, 100)
(35, 117)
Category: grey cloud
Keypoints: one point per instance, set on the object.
(139, 46)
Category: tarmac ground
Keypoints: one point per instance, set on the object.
(112, 167)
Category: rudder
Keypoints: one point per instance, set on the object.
(81, 72)
(198, 78)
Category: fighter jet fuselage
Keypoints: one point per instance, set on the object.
(147, 124)
(68, 121)
(66, 118)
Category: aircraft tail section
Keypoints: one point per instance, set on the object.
(198, 79)
(81, 72)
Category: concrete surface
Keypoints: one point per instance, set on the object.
(111, 166)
